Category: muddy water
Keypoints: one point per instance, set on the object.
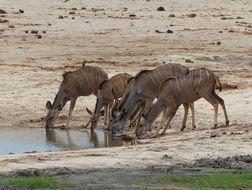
(19, 140)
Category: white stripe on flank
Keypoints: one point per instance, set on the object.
(191, 78)
(207, 74)
(78, 79)
(199, 76)
(170, 71)
(152, 79)
(157, 76)
(178, 85)
(86, 79)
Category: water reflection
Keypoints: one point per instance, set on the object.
(18, 140)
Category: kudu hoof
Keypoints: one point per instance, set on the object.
(215, 126)
(227, 123)
(183, 127)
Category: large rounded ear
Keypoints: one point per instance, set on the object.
(48, 105)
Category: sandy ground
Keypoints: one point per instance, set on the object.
(125, 36)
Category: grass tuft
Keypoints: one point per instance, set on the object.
(30, 182)
(219, 181)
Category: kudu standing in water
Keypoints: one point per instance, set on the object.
(196, 84)
(146, 88)
(109, 90)
(82, 82)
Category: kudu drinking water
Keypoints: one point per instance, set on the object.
(184, 89)
(146, 87)
(82, 82)
(109, 90)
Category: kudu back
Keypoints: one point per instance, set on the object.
(185, 89)
(82, 82)
(146, 88)
(109, 90)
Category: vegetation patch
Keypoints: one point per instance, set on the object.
(207, 182)
(30, 182)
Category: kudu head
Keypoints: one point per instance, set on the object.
(55, 108)
(128, 110)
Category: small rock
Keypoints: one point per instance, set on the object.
(3, 21)
(166, 156)
(72, 13)
(74, 9)
(192, 15)
(220, 31)
(21, 11)
(2, 11)
(34, 32)
(169, 31)
(160, 9)
(171, 15)
(11, 26)
(83, 8)
(38, 36)
(157, 31)
(239, 17)
(61, 17)
(73, 18)
(189, 61)
(213, 135)
(49, 24)
(132, 15)
(44, 32)
(224, 18)
(26, 31)
(218, 43)
(231, 31)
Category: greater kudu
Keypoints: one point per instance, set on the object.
(146, 87)
(109, 90)
(184, 89)
(82, 82)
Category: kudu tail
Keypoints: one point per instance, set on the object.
(218, 85)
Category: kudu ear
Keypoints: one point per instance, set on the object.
(89, 111)
(48, 105)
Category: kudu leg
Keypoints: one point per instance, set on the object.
(191, 105)
(106, 114)
(212, 100)
(166, 114)
(162, 120)
(138, 121)
(169, 114)
(186, 107)
(222, 103)
(72, 105)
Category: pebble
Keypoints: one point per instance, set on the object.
(2, 11)
(189, 61)
(169, 31)
(160, 9)
(38, 36)
(192, 15)
(61, 17)
(171, 15)
(34, 32)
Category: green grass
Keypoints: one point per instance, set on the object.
(206, 182)
(30, 182)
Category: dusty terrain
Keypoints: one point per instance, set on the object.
(39, 40)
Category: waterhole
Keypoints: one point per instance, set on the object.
(20, 140)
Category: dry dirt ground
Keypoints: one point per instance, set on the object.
(39, 40)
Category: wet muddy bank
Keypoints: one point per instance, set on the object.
(131, 178)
